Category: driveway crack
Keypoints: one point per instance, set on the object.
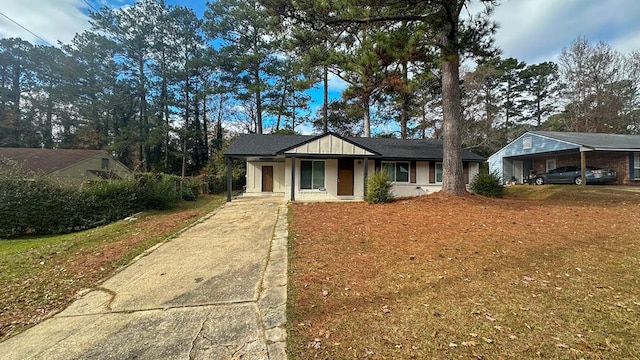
(192, 354)
(110, 293)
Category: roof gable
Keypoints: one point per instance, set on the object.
(533, 143)
(49, 160)
(263, 145)
(596, 141)
(329, 144)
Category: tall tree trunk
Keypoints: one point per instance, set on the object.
(258, 84)
(165, 107)
(404, 113)
(197, 138)
(187, 91)
(143, 118)
(219, 125)
(452, 175)
(282, 100)
(205, 126)
(47, 135)
(16, 90)
(366, 116)
(325, 103)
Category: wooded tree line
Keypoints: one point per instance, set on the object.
(159, 86)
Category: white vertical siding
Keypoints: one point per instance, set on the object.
(254, 176)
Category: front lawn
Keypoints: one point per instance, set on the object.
(40, 276)
(547, 272)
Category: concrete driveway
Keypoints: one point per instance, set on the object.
(217, 291)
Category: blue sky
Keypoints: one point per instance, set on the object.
(530, 30)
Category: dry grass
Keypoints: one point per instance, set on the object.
(548, 272)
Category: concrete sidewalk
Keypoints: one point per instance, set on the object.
(217, 291)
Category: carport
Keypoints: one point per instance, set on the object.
(540, 151)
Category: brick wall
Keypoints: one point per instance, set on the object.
(618, 161)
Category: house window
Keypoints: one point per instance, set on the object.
(105, 164)
(551, 164)
(526, 143)
(311, 174)
(398, 171)
(438, 172)
(636, 166)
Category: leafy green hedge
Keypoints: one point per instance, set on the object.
(487, 184)
(31, 204)
(379, 188)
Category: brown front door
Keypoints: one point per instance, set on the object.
(345, 177)
(267, 179)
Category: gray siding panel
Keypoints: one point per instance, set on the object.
(539, 144)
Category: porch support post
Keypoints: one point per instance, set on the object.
(293, 178)
(366, 174)
(229, 178)
(583, 167)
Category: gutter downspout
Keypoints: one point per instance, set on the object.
(229, 178)
(366, 175)
(293, 178)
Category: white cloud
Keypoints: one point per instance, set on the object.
(336, 84)
(538, 30)
(51, 20)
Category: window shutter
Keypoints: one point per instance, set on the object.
(632, 160)
(412, 172)
(432, 172)
(465, 172)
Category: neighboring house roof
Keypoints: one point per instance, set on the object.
(597, 141)
(49, 160)
(387, 148)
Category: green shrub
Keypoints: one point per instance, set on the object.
(188, 195)
(191, 188)
(379, 188)
(158, 191)
(36, 204)
(487, 184)
(32, 204)
(114, 200)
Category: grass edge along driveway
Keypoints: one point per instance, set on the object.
(40, 276)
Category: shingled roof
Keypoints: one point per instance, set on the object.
(48, 160)
(387, 148)
(597, 141)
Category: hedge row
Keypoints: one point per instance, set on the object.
(37, 205)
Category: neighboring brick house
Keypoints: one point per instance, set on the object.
(68, 164)
(537, 152)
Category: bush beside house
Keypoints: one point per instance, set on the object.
(32, 204)
(379, 188)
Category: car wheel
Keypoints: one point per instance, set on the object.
(578, 180)
(539, 181)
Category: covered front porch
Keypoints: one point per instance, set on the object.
(308, 178)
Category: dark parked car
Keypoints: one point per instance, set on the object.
(571, 175)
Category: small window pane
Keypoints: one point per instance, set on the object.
(402, 172)
(636, 166)
(390, 169)
(318, 174)
(306, 174)
(551, 164)
(438, 172)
